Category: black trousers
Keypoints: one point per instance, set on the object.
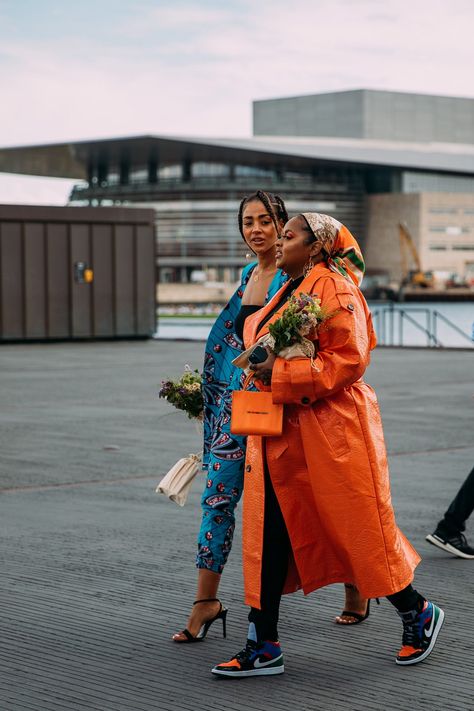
(276, 552)
(460, 508)
(275, 555)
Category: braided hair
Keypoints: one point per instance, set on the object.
(273, 204)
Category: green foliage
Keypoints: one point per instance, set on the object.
(286, 331)
(185, 393)
(303, 316)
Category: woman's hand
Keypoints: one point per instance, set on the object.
(263, 371)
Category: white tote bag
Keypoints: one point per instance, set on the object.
(176, 484)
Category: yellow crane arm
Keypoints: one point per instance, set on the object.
(406, 242)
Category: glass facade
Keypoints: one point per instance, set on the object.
(210, 170)
(417, 182)
(196, 200)
(197, 204)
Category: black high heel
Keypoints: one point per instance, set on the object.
(221, 615)
(358, 617)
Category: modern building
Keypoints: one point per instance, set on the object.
(368, 114)
(441, 225)
(358, 155)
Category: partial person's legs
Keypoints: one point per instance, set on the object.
(422, 621)
(460, 508)
(448, 534)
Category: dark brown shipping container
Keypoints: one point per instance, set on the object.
(76, 272)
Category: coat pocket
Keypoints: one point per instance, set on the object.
(347, 301)
(333, 428)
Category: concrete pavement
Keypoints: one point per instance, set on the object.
(98, 572)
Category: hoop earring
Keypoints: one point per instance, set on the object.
(307, 267)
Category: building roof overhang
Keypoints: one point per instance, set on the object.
(72, 159)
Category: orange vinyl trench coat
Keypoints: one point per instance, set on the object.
(329, 467)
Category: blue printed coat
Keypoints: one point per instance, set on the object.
(223, 345)
(224, 452)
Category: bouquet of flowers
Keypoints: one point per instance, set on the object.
(185, 393)
(292, 334)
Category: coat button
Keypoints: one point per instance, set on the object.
(350, 307)
(305, 400)
(248, 468)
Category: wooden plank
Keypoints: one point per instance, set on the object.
(58, 280)
(145, 281)
(103, 286)
(81, 292)
(11, 281)
(35, 280)
(124, 280)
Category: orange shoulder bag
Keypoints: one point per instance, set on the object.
(255, 413)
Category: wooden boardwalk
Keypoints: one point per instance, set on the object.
(97, 571)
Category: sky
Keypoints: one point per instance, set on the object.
(89, 69)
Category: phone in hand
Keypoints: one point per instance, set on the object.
(258, 355)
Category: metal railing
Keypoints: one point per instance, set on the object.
(390, 321)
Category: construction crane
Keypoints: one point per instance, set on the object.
(412, 277)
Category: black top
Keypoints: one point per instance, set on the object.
(292, 285)
(245, 311)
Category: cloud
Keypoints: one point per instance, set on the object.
(193, 68)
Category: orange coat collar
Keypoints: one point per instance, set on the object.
(251, 328)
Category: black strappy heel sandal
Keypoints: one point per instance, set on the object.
(221, 615)
(358, 617)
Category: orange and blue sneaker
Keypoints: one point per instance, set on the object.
(420, 631)
(256, 659)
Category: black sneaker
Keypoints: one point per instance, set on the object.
(420, 631)
(256, 659)
(455, 544)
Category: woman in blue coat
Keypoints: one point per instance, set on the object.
(261, 217)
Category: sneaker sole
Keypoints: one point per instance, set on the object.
(429, 649)
(269, 671)
(448, 547)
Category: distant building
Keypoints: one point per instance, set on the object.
(370, 158)
(442, 228)
(364, 113)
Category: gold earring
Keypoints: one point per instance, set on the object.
(307, 267)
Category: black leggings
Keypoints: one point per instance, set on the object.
(275, 555)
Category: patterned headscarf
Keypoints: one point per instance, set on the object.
(343, 249)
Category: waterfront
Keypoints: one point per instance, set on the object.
(397, 328)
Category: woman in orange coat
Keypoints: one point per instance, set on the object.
(317, 506)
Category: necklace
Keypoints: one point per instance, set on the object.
(256, 274)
